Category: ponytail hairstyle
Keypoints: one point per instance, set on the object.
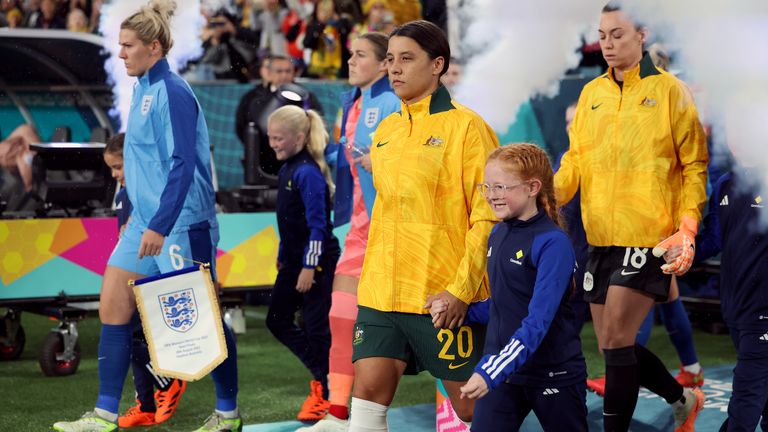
(309, 122)
(152, 22)
(530, 162)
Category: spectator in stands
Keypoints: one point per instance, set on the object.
(293, 26)
(405, 10)
(10, 13)
(87, 6)
(31, 13)
(16, 167)
(14, 18)
(95, 15)
(77, 21)
(378, 18)
(229, 49)
(270, 19)
(252, 105)
(48, 18)
(326, 39)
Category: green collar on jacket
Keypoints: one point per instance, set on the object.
(439, 101)
(643, 70)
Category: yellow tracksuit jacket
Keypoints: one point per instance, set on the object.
(429, 226)
(639, 154)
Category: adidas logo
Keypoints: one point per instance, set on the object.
(550, 391)
(764, 337)
(724, 202)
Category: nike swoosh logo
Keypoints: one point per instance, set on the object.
(594, 107)
(626, 273)
(382, 144)
(453, 366)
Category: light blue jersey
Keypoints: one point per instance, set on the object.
(167, 156)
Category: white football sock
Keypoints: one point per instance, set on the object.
(367, 416)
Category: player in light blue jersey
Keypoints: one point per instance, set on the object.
(168, 177)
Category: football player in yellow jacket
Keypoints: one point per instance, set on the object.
(639, 155)
(428, 234)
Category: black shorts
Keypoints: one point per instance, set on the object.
(631, 267)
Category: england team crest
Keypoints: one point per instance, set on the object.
(179, 309)
(371, 117)
(146, 102)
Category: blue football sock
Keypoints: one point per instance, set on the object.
(225, 376)
(675, 319)
(644, 333)
(114, 358)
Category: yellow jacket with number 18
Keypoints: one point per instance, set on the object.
(639, 155)
(429, 225)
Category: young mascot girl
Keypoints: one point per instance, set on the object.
(308, 250)
(533, 360)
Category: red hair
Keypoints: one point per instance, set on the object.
(530, 162)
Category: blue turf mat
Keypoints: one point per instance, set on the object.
(651, 415)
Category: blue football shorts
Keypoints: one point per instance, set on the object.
(180, 249)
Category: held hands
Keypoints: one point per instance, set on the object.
(453, 315)
(151, 243)
(306, 279)
(475, 388)
(438, 307)
(679, 249)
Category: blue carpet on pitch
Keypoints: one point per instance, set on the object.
(651, 415)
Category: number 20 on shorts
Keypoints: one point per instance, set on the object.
(463, 339)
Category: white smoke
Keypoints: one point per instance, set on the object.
(186, 25)
(523, 48)
(722, 49)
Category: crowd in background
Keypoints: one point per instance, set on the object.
(71, 15)
(315, 34)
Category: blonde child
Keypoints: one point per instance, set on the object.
(308, 249)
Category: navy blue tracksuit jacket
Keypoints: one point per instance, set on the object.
(304, 213)
(736, 226)
(733, 227)
(306, 241)
(532, 336)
